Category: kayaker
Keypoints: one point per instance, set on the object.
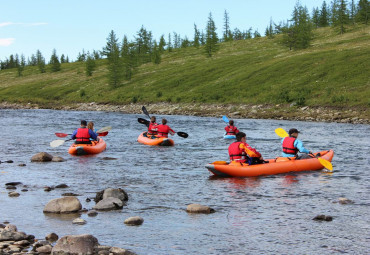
(292, 145)
(240, 151)
(83, 134)
(152, 129)
(90, 126)
(231, 129)
(164, 129)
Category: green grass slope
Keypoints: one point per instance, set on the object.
(333, 72)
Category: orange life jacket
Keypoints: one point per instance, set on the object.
(82, 135)
(288, 146)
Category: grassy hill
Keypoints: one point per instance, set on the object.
(333, 72)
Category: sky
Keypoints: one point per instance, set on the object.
(72, 26)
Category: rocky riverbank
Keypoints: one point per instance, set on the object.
(280, 112)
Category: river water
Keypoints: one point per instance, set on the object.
(265, 215)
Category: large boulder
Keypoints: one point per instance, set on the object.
(75, 244)
(9, 235)
(41, 157)
(109, 203)
(110, 192)
(63, 205)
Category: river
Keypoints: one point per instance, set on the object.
(265, 215)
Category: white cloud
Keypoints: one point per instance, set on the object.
(6, 41)
(4, 24)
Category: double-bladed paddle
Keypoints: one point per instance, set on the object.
(326, 163)
(225, 119)
(57, 143)
(65, 135)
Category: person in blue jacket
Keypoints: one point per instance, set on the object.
(83, 134)
(292, 145)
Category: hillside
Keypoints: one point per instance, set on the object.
(333, 72)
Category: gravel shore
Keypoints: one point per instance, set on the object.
(279, 112)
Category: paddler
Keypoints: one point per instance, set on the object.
(164, 129)
(152, 128)
(231, 129)
(292, 145)
(242, 152)
(83, 134)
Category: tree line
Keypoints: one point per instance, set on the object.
(125, 56)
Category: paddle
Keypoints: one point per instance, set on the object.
(145, 111)
(57, 143)
(146, 122)
(225, 119)
(326, 163)
(65, 135)
(8, 161)
(104, 129)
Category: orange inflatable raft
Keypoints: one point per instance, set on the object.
(275, 166)
(159, 141)
(85, 149)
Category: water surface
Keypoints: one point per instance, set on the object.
(264, 215)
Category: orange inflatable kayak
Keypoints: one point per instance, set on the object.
(153, 140)
(85, 149)
(275, 166)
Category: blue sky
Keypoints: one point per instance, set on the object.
(70, 26)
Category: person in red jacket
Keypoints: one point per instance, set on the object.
(164, 129)
(83, 134)
(242, 152)
(231, 129)
(152, 129)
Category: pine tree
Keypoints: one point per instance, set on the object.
(324, 16)
(316, 17)
(169, 45)
(112, 52)
(90, 64)
(211, 44)
(196, 42)
(156, 57)
(128, 57)
(40, 61)
(363, 11)
(54, 62)
(144, 45)
(162, 44)
(62, 59)
(269, 30)
(340, 16)
(21, 65)
(227, 35)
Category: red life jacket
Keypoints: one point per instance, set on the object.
(237, 154)
(152, 128)
(163, 130)
(82, 135)
(288, 146)
(231, 130)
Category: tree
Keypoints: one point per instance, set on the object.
(227, 35)
(169, 45)
(54, 62)
(256, 34)
(162, 44)
(340, 16)
(62, 59)
(196, 42)
(156, 56)
(324, 16)
(129, 58)
(185, 42)
(211, 44)
(363, 11)
(90, 64)
(144, 45)
(316, 17)
(269, 30)
(40, 61)
(112, 52)
(20, 65)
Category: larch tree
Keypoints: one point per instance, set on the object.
(112, 52)
(211, 43)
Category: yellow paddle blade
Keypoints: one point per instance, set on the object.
(281, 132)
(326, 164)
